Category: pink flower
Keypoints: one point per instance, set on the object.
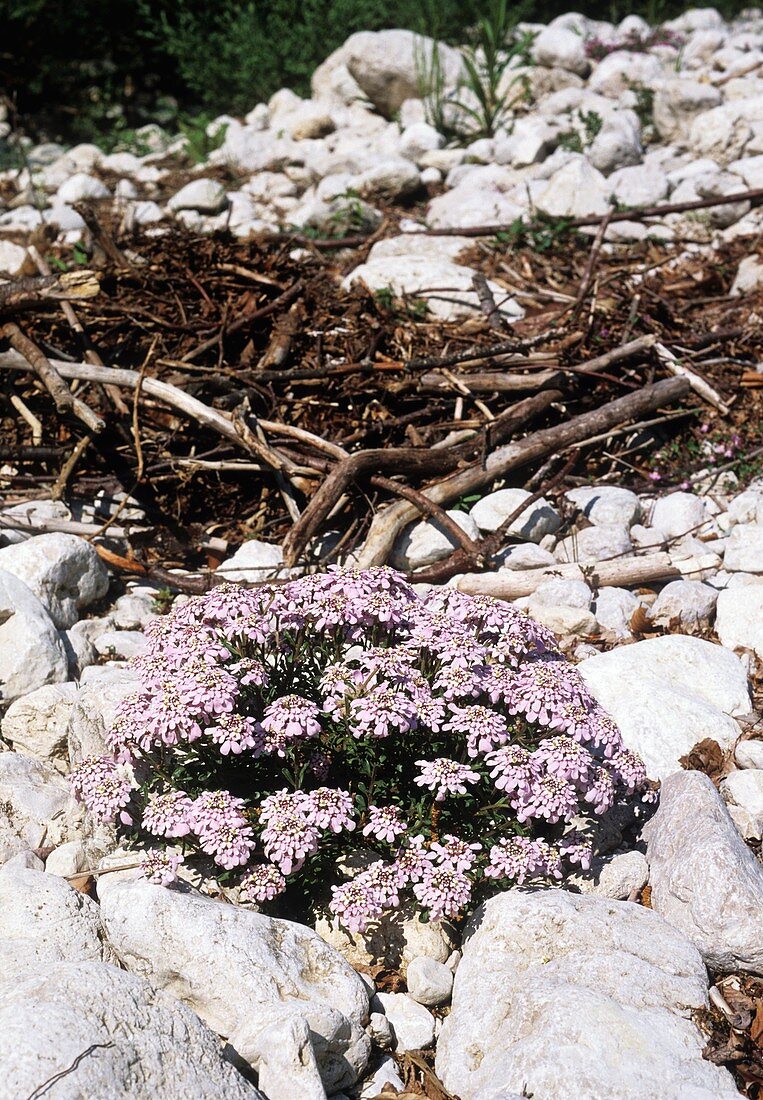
(168, 814)
(292, 717)
(355, 905)
(445, 777)
(263, 883)
(443, 890)
(160, 867)
(105, 787)
(329, 809)
(384, 823)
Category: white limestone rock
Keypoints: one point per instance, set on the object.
(618, 143)
(677, 102)
(555, 988)
(742, 791)
(558, 48)
(94, 710)
(412, 1024)
(679, 514)
(143, 1043)
(744, 549)
(562, 592)
(45, 920)
(12, 259)
(283, 1056)
(602, 543)
(749, 754)
(31, 650)
(255, 561)
(386, 65)
(472, 204)
(121, 645)
(619, 71)
(614, 609)
(576, 190)
(79, 643)
(37, 724)
(747, 507)
(606, 505)
(705, 881)
(739, 617)
(429, 982)
(538, 519)
(394, 178)
(63, 571)
(639, 185)
(35, 805)
(395, 939)
(526, 555)
(618, 876)
(749, 277)
(687, 603)
(668, 693)
(81, 186)
(241, 971)
(427, 542)
(203, 195)
(418, 278)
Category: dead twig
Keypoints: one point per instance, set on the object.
(64, 399)
(33, 293)
(386, 524)
(632, 214)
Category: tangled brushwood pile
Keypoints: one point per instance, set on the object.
(249, 392)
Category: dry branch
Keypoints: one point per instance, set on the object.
(34, 293)
(631, 215)
(65, 400)
(512, 584)
(387, 524)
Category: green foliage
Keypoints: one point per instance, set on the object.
(95, 71)
(492, 92)
(199, 142)
(589, 125)
(542, 234)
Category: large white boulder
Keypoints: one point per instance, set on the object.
(428, 542)
(744, 549)
(669, 693)
(559, 48)
(35, 805)
(241, 971)
(445, 287)
(576, 190)
(94, 709)
(206, 196)
(676, 104)
(44, 919)
(254, 561)
(555, 988)
(63, 571)
(679, 514)
(36, 724)
(739, 618)
(538, 519)
(31, 650)
(390, 66)
(112, 1034)
(705, 880)
(606, 505)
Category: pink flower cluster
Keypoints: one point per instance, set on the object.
(447, 730)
